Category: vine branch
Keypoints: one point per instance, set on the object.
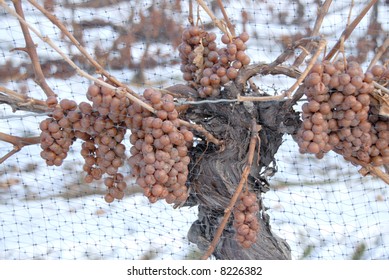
(274, 67)
(322, 44)
(17, 142)
(214, 19)
(322, 11)
(30, 49)
(18, 101)
(226, 18)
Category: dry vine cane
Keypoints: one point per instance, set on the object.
(30, 48)
(17, 142)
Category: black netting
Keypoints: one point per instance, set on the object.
(323, 208)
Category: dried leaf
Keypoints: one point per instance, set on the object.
(383, 102)
(199, 59)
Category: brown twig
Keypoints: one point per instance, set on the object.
(199, 128)
(290, 50)
(322, 44)
(368, 168)
(220, 24)
(226, 18)
(322, 11)
(349, 12)
(299, 92)
(264, 69)
(99, 68)
(347, 32)
(30, 49)
(21, 102)
(342, 50)
(227, 213)
(13, 94)
(380, 51)
(190, 16)
(274, 67)
(17, 142)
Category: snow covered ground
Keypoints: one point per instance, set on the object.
(323, 208)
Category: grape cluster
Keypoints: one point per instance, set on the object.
(101, 126)
(57, 134)
(245, 219)
(205, 65)
(336, 114)
(160, 145)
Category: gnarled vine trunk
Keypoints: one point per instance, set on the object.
(215, 173)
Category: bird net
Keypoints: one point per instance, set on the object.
(326, 197)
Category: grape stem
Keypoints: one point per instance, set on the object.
(322, 44)
(382, 88)
(227, 212)
(226, 18)
(17, 142)
(220, 24)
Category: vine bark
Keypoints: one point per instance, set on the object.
(216, 173)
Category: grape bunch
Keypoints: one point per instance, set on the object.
(57, 134)
(160, 146)
(207, 67)
(101, 126)
(245, 219)
(336, 114)
(104, 127)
